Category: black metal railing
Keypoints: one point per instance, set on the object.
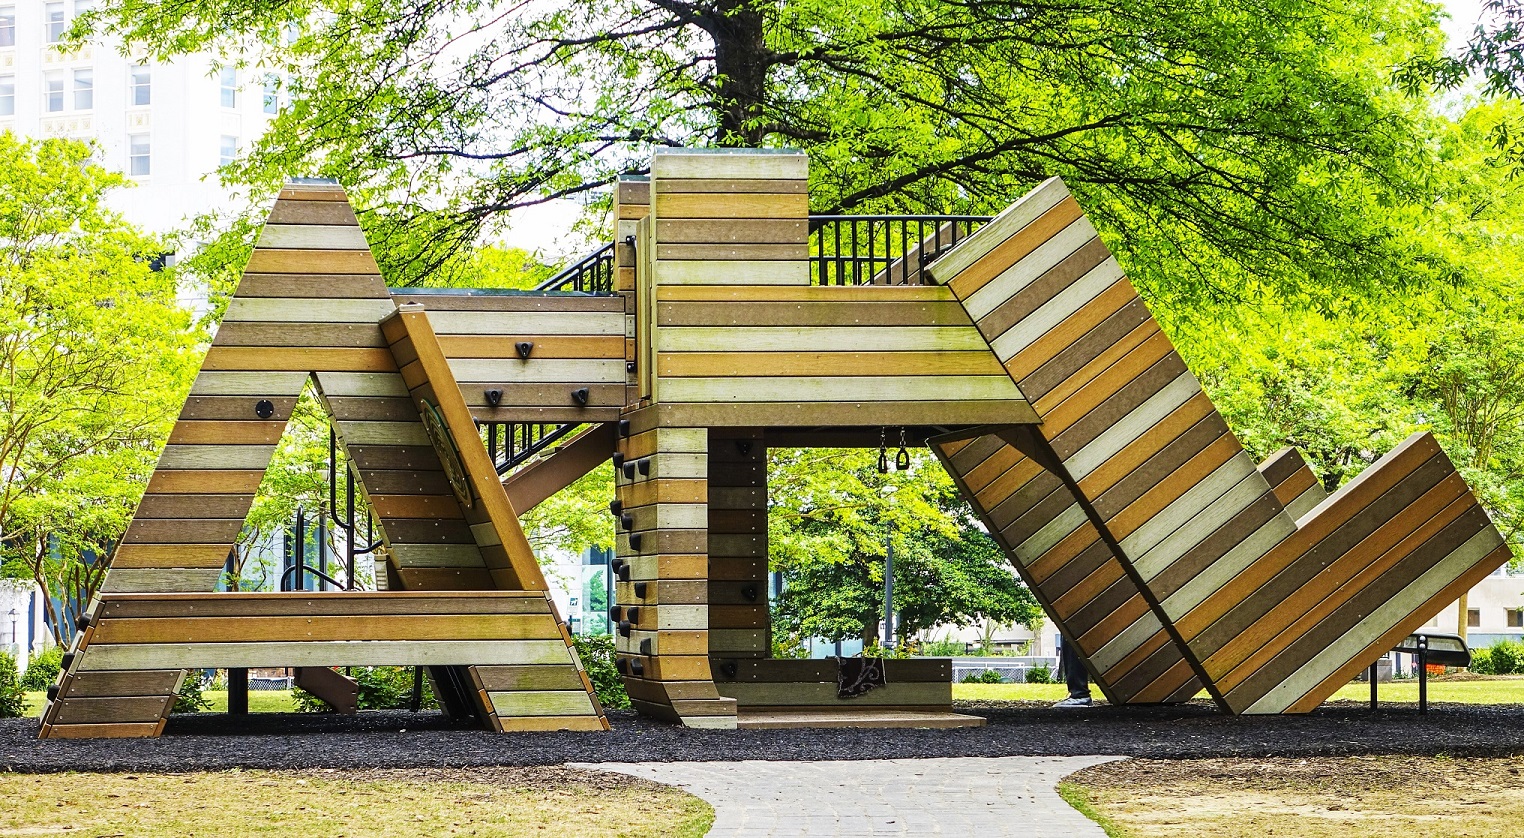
(513, 443)
(882, 249)
(592, 274)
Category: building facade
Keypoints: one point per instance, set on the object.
(168, 126)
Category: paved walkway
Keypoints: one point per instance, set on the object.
(960, 796)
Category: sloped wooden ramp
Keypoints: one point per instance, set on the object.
(1274, 597)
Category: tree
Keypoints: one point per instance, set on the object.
(95, 355)
(831, 516)
(1235, 144)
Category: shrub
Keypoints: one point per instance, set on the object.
(1040, 674)
(1506, 657)
(597, 654)
(12, 697)
(1481, 662)
(379, 688)
(948, 649)
(42, 672)
(983, 676)
(190, 699)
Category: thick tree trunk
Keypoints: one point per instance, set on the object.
(740, 63)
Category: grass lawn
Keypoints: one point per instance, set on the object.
(260, 701)
(492, 801)
(1345, 797)
(1506, 689)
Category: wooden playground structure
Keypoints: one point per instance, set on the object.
(723, 321)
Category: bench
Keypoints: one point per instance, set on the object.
(1428, 647)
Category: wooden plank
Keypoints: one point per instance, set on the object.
(304, 310)
(858, 313)
(236, 432)
(669, 164)
(577, 371)
(321, 604)
(312, 262)
(135, 730)
(194, 506)
(516, 678)
(857, 414)
(112, 710)
(322, 237)
(220, 531)
(532, 325)
(1010, 221)
(219, 457)
(298, 334)
(732, 252)
(311, 212)
(1043, 289)
(323, 653)
(953, 388)
(752, 272)
(260, 384)
(821, 339)
(545, 347)
(727, 186)
(129, 580)
(1048, 253)
(543, 702)
(298, 359)
(846, 295)
(516, 302)
(160, 682)
(130, 555)
(208, 482)
(807, 694)
(308, 629)
(311, 286)
(738, 231)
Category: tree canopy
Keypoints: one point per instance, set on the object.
(95, 354)
(1237, 144)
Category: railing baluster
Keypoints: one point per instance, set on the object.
(847, 248)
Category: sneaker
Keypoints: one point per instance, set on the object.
(1074, 702)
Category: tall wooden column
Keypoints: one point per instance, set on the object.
(662, 612)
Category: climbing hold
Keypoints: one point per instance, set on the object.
(494, 397)
(580, 396)
(524, 347)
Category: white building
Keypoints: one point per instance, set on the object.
(167, 125)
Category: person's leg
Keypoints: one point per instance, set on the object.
(1076, 677)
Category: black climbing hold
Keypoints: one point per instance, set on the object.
(52, 692)
(580, 396)
(629, 469)
(524, 347)
(627, 521)
(66, 662)
(637, 667)
(624, 426)
(635, 539)
(494, 397)
(749, 592)
(616, 506)
(640, 589)
(83, 622)
(644, 464)
(264, 408)
(624, 628)
(618, 459)
(729, 669)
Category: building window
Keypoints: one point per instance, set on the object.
(53, 87)
(1473, 618)
(139, 85)
(83, 6)
(229, 87)
(7, 26)
(137, 155)
(84, 90)
(272, 96)
(53, 21)
(7, 95)
(1515, 618)
(228, 152)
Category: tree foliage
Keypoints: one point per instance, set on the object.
(1234, 144)
(832, 515)
(95, 355)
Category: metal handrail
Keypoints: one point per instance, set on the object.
(512, 444)
(592, 274)
(882, 249)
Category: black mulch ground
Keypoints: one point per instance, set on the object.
(400, 739)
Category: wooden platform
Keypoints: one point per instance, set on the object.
(776, 718)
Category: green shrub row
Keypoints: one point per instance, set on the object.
(1503, 657)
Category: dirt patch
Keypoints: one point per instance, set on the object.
(1337, 797)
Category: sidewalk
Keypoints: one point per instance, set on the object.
(956, 796)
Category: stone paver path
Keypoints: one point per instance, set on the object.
(966, 796)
